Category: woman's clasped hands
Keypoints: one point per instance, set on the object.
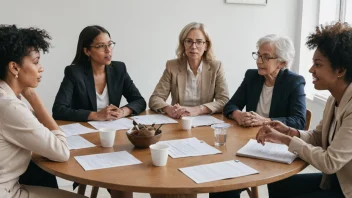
(177, 111)
(110, 112)
(249, 119)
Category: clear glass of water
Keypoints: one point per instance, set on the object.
(220, 133)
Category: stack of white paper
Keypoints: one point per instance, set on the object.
(189, 147)
(75, 129)
(270, 151)
(106, 160)
(78, 142)
(153, 119)
(119, 124)
(218, 171)
(205, 120)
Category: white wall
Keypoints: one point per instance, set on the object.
(146, 32)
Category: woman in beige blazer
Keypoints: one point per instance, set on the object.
(195, 79)
(329, 146)
(22, 131)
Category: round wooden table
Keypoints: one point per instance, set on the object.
(168, 179)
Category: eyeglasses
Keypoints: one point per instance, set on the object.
(190, 42)
(102, 47)
(265, 58)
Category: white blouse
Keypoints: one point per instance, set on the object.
(102, 99)
(193, 86)
(263, 107)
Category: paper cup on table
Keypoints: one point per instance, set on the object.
(187, 123)
(107, 137)
(159, 153)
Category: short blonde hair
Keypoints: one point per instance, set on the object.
(180, 51)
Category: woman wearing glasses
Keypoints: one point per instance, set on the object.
(94, 84)
(271, 92)
(195, 79)
(328, 147)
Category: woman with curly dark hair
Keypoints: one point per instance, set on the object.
(329, 146)
(22, 131)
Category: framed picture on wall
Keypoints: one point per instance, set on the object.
(256, 2)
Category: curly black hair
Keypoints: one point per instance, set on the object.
(16, 43)
(334, 42)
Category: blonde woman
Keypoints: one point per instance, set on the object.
(195, 79)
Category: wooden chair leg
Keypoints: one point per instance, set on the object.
(81, 189)
(249, 192)
(255, 193)
(94, 192)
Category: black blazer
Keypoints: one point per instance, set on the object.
(288, 103)
(76, 98)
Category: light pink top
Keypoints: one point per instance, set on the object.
(21, 134)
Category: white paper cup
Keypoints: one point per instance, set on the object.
(159, 153)
(107, 137)
(187, 123)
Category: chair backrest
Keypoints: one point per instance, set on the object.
(308, 119)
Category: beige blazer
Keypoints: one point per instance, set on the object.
(313, 146)
(174, 78)
(20, 134)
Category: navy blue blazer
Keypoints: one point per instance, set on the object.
(288, 104)
(76, 98)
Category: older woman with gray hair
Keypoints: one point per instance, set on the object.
(195, 79)
(271, 92)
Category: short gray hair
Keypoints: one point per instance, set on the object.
(283, 46)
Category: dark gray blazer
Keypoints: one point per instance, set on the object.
(288, 103)
(76, 98)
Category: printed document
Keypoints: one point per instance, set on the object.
(106, 160)
(189, 147)
(153, 119)
(218, 171)
(75, 129)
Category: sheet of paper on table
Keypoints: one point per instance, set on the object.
(78, 142)
(189, 147)
(119, 124)
(151, 119)
(75, 129)
(218, 171)
(205, 120)
(106, 160)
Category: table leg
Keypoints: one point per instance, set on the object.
(254, 191)
(81, 189)
(121, 194)
(94, 192)
(173, 196)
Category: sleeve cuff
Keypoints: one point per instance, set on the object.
(295, 145)
(59, 134)
(212, 109)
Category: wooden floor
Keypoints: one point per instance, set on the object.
(103, 193)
